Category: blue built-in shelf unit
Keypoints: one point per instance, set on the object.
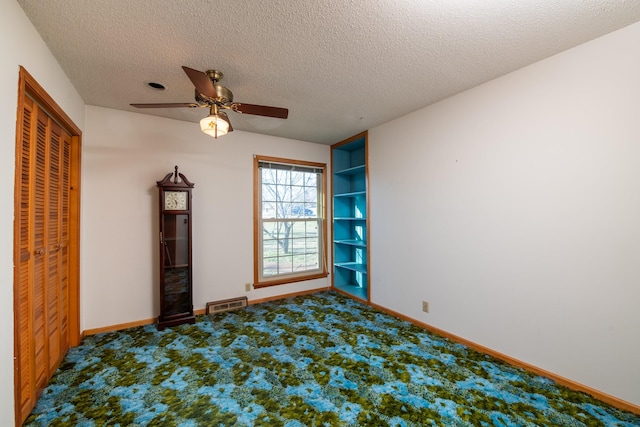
(350, 220)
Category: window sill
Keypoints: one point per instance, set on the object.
(285, 280)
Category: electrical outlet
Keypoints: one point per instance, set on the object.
(247, 287)
(425, 306)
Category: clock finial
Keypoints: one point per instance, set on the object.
(175, 176)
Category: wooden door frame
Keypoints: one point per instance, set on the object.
(29, 87)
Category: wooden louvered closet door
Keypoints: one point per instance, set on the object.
(42, 270)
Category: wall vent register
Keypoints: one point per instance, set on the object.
(226, 305)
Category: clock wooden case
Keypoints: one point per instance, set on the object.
(176, 294)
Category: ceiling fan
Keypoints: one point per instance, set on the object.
(209, 93)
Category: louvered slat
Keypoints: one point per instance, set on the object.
(64, 241)
(26, 395)
(53, 245)
(39, 246)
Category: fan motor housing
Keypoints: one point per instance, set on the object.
(223, 96)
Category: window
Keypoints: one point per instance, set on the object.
(289, 221)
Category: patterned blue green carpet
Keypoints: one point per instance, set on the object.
(320, 360)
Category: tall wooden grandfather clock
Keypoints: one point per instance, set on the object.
(176, 295)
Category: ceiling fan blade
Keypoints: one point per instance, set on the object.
(167, 105)
(261, 110)
(201, 81)
(224, 117)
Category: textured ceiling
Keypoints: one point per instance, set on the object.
(339, 66)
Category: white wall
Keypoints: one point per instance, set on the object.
(124, 154)
(20, 44)
(514, 209)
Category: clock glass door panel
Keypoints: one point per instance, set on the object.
(176, 264)
(176, 241)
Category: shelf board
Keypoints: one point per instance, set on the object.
(351, 171)
(353, 289)
(352, 242)
(349, 218)
(351, 194)
(354, 266)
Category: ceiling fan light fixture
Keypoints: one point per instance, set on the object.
(208, 93)
(214, 125)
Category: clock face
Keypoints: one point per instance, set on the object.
(175, 200)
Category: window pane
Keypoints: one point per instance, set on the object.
(270, 267)
(268, 209)
(310, 195)
(282, 177)
(268, 176)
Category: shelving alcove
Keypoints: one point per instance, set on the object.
(349, 184)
